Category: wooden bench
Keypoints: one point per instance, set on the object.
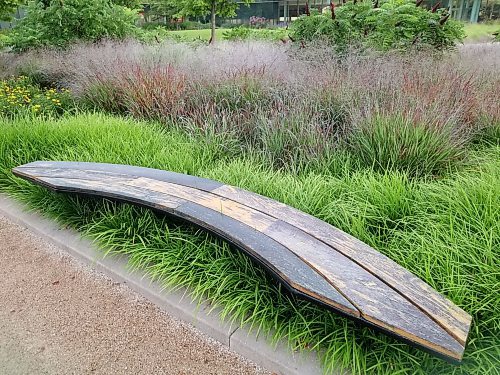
(310, 257)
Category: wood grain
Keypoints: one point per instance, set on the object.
(131, 171)
(310, 257)
(289, 268)
(452, 318)
(377, 302)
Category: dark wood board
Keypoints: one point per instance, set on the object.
(310, 257)
(452, 318)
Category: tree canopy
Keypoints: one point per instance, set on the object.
(7, 9)
(131, 4)
(166, 8)
(58, 23)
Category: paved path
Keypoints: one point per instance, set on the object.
(57, 316)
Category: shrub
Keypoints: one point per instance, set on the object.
(5, 39)
(496, 36)
(396, 24)
(398, 144)
(21, 96)
(60, 23)
(153, 35)
(245, 33)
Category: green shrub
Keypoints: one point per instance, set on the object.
(496, 36)
(152, 35)
(396, 143)
(21, 96)
(61, 23)
(396, 24)
(5, 39)
(245, 33)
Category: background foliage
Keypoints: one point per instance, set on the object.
(7, 8)
(393, 24)
(58, 23)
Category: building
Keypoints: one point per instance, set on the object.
(284, 11)
(278, 10)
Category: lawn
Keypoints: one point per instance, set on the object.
(481, 31)
(402, 153)
(198, 34)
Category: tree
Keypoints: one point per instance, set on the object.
(60, 22)
(131, 4)
(7, 9)
(166, 8)
(222, 8)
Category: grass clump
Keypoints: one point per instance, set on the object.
(398, 144)
(445, 231)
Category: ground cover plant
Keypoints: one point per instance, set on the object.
(445, 230)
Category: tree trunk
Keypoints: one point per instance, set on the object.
(212, 22)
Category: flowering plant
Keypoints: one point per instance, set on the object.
(258, 22)
(20, 95)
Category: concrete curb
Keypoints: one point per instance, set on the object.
(277, 359)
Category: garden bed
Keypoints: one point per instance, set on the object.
(445, 230)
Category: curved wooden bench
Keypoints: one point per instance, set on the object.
(310, 257)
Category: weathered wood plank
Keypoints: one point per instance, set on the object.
(132, 171)
(117, 189)
(452, 318)
(377, 302)
(289, 268)
(343, 273)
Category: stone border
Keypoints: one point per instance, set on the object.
(278, 359)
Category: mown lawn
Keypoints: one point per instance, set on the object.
(473, 32)
(198, 34)
(481, 31)
(445, 230)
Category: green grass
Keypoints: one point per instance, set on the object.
(198, 34)
(481, 31)
(446, 231)
(473, 31)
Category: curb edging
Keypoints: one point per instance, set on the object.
(278, 359)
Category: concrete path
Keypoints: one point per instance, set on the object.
(57, 316)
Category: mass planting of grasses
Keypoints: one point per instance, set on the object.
(293, 107)
(444, 230)
(401, 151)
